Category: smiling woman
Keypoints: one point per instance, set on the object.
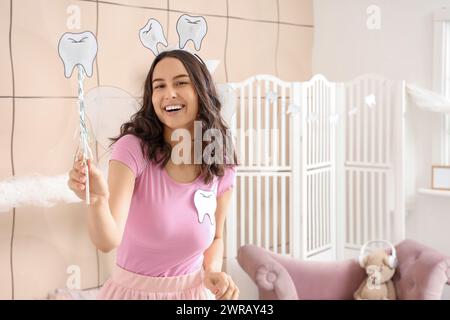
(180, 81)
(166, 218)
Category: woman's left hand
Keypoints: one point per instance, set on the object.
(221, 285)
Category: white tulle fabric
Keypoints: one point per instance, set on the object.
(126, 285)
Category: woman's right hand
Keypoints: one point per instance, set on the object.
(98, 188)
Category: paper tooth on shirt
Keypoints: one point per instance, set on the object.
(152, 34)
(191, 28)
(77, 49)
(205, 202)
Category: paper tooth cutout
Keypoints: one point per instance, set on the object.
(271, 96)
(293, 108)
(334, 118)
(188, 28)
(152, 34)
(77, 49)
(191, 28)
(352, 111)
(205, 203)
(370, 100)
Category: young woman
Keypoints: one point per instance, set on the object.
(165, 216)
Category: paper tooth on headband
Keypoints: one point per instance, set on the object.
(77, 49)
(191, 28)
(152, 34)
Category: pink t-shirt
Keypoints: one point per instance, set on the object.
(168, 226)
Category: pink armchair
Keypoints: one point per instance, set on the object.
(422, 273)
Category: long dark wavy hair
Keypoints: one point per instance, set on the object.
(145, 123)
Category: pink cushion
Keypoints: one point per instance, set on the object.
(422, 272)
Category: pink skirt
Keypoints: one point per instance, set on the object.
(126, 285)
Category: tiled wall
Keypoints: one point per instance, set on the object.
(39, 114)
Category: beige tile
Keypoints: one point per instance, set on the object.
(295, 53)
(142, 3)
(47, 242)
(170, 29)
(45, 138)
(5, 266)
(37, 27)
(217, 7)
(6, 114)
(253, 9)
(250, 49)
(125, 63)
(5, 217)
(297, 11)
(48, 239)
(5, 59)
(213, 45)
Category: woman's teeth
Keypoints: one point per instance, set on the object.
(173, 108)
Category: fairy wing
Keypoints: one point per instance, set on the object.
(107, 108)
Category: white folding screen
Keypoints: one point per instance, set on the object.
(261, 126)
(320, 166)
(263, 204)
(317, 170)
(286, 176)
(372, 185)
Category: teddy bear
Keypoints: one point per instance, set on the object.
(378, 284)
